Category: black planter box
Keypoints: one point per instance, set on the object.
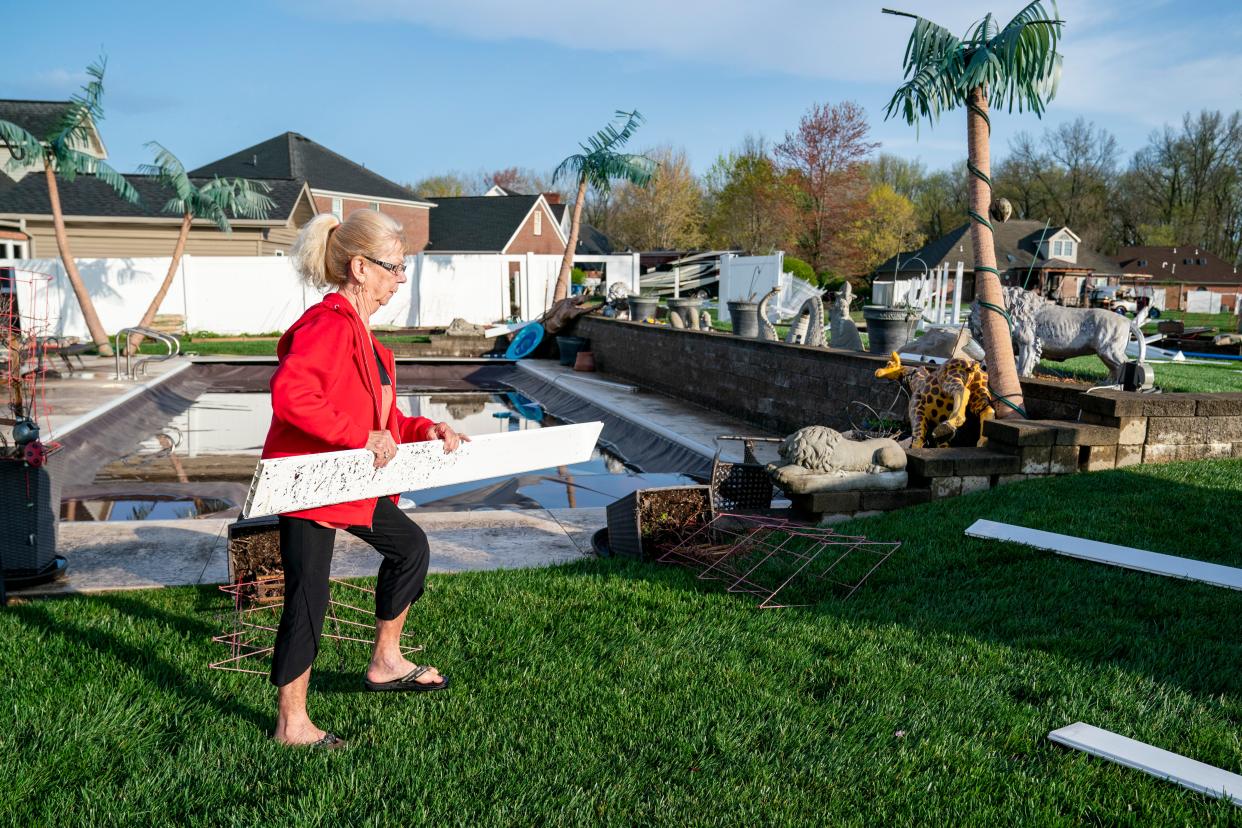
(29, 512)
(625, 530)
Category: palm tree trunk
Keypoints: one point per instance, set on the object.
(136, 339)
(567, 263)
(98, 334)
(997, 344)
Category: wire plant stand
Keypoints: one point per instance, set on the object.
(250, 626)
(781, 563)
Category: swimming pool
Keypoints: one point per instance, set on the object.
(198, 460)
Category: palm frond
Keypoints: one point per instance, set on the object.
(613, 137)
(249, 200)
(1026, 50)
(571, 167)
(933, 63)
(84, 107)
(22, 146)
(170, 172)
(72, 163)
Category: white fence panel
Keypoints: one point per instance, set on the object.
(243, 294)
(120, 289)
(466, 285)
(1202, 301)
(744, 278)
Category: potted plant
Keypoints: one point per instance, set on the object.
(647, 522)
(889, 327)
(744, 317)
(642, 307)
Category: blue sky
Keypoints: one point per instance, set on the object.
(414, 88)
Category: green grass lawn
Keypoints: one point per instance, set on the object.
(1170, 376)
(611, 692)
(1220, 321)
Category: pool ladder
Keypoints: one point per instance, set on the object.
(139, 367)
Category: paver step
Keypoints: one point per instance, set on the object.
(1050, 433)
(959, 462)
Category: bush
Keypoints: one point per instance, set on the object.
(800, 269)
(577, 276)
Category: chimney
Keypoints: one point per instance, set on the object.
(552, 198)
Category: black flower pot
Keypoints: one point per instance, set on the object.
(745, 319)
(570, 346)
(889, 329)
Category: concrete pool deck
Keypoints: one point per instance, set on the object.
(119, 555)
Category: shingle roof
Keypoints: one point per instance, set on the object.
(476, 223)
(590, 240)
(1178, 264)
(88, 196)
(1017, 246)
(39, 118)
(291, 155)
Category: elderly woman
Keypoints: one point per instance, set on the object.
(333, 390)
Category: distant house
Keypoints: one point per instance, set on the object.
(1181, 270)
(39, 118)
(337, 184)
(512, 225)
(1051, 260)
(304, 178)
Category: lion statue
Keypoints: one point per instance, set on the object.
(1042, 329)
(818, 458)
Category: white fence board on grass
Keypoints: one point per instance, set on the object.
(1160, 763)
(1112, 554)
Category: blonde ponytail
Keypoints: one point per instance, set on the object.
(325, 244)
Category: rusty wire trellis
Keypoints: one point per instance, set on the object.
(251, 638)
(765, 556)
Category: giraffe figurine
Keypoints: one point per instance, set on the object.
(941, 398)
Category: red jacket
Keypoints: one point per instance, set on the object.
(326, 396)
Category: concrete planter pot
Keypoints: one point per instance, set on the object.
(888, 329)
(642, 308)
(687, 309)
(745, 319)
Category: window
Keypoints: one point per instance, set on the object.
(1056, 248)
(278, 252)
(1187, 261)
(539, 222)
(374, 205)
(1142, 263)
(336, 207)
(1069, 249)
(1200, 261)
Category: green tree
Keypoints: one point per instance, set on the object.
(448, 185)
(61, 155)
(214, 200)
(889, 227)
(991, 66)
(665, 213)
(751, 204)
(598, 165)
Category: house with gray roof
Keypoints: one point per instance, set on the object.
(1050, 259)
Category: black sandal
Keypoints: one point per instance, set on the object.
(407, 682)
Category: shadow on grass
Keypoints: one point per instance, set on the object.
(159, 671)
(943, 583)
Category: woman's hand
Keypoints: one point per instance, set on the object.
(444, 431)
(381, 444)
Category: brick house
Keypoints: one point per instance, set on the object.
(337, 184)
(511, 224)
(1052, 260)
(1180, 270)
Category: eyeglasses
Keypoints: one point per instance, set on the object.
(399, 269)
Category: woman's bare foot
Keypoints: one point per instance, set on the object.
(391, 669)
(299, 733)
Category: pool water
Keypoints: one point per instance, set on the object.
(223, 433)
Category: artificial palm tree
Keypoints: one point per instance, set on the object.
(215, 201)
(1017, 64)
(60, 156)
(598, 165)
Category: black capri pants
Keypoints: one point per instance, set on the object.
(306, 554)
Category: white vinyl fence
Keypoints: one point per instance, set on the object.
(257, 294)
